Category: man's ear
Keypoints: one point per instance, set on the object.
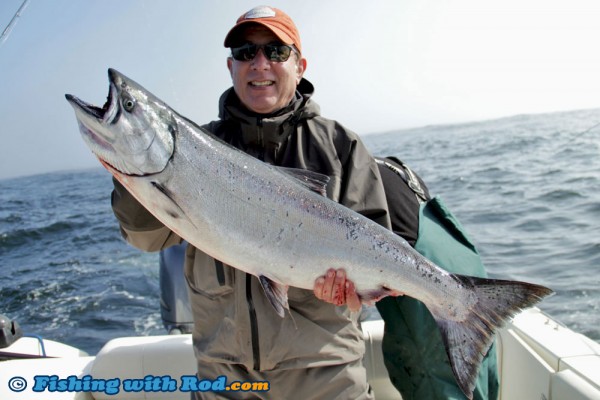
(300, 69)
(230, 65)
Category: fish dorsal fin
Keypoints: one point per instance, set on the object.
(313, 181)
(276, 293)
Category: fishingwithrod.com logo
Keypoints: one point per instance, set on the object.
(150, 383)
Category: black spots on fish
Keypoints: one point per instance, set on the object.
(311, 207)
(494, 293)
(353, 228)
(428, 273)
(258, 199)
(280, 235)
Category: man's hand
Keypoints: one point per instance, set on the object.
(334, 288)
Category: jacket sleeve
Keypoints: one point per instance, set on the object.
(139, 227)
(362, 187)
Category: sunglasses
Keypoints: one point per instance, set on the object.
(273, 52)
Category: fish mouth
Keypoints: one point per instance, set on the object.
(91, 118)
(90, 109)
(108, 112)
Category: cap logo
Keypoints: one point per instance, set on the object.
(260, 12)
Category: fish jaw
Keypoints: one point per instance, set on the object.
(134, 131)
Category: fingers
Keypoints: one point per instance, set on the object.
(352, 299)
(319, 287)
(338, 291)
(324, 286)
(334, 288)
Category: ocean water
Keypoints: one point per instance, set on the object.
(526, 188)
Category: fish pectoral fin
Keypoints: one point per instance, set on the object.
(276, 293)
(311, 180)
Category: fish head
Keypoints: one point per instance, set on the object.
(134, 132)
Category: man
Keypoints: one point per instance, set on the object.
(316, 351)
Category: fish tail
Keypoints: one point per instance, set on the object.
(467, 341)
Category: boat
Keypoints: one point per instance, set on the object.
(538, 358)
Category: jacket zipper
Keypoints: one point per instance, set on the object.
(260, 137)
(253, 324)
(249, 300)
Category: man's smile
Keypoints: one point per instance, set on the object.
(262, 83)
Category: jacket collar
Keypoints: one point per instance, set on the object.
(271, 129)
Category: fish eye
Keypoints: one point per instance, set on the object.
(128, 103)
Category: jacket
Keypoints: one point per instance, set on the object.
(233, 320)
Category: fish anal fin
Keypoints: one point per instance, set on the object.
(468, 340)
(276, 293)
(372, 296)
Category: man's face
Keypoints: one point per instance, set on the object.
(265, 86)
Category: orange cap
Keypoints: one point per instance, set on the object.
(271, 18)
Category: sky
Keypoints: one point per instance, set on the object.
(377, 66)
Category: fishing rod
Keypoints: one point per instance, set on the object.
(13, 22)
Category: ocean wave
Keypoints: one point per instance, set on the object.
(23, 236)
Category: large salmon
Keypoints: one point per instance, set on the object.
(277, 224)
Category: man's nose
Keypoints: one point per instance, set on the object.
(260, 60)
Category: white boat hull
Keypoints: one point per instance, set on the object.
(538, 359)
